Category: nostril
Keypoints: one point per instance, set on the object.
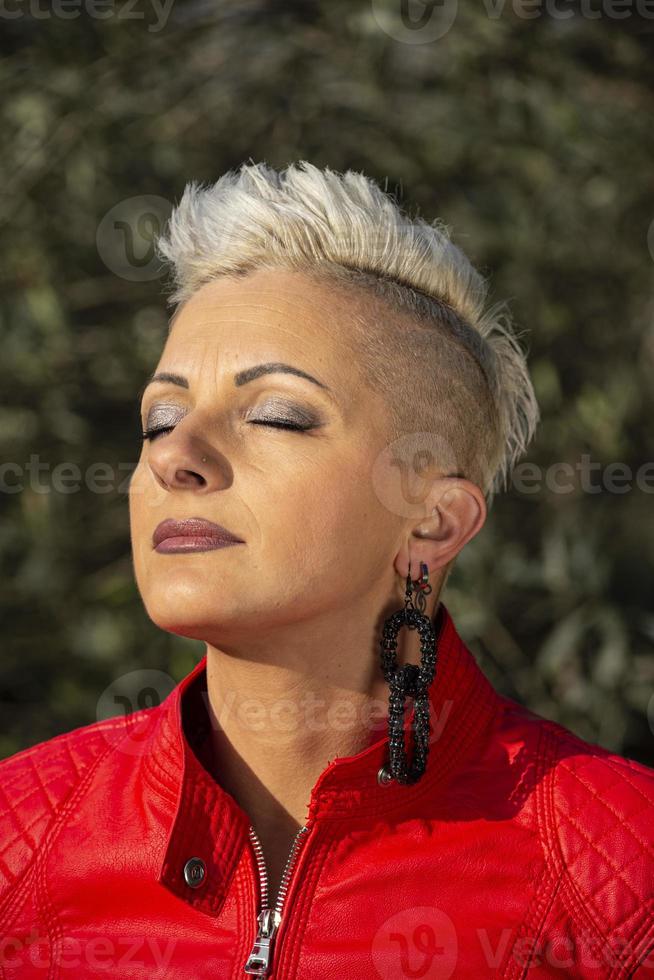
(186, 478)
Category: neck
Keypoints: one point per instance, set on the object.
(296, 699)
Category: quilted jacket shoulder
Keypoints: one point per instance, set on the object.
(39, 786)
(599, 833)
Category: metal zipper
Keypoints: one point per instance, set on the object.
(260, 959)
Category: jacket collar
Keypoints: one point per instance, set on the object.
(207, 822)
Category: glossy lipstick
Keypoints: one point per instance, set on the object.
(193, 534)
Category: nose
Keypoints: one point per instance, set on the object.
(177, 464)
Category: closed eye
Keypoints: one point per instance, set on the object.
(279, 424)
(272, 423)
(153, 433)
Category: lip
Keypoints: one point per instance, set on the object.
(193, 534)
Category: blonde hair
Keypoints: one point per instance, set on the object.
(448, 365)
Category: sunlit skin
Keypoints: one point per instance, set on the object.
(292, 617)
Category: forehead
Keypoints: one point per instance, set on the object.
(275, 309)
(274, 315)
(277, 315)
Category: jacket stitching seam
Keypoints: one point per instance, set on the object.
(44, 907)
(620, 968)
(27, 753)
(41, 897)
(40, 787)
(165, 793)
(542, 904)
(36, 865)
(571, 895)
(639, 954)
(10, 908)
(541, 910)
(82, 787)
(16, 903)
(574, 898)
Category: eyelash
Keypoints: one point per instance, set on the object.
(153, 433)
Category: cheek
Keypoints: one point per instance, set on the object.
(139, 522)
(145, 499)
(323, 516)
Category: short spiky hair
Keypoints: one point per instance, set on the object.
(447, 364)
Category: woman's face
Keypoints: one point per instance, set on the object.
(315, 533)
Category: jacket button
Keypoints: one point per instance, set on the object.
(194, 872)
(383, 776)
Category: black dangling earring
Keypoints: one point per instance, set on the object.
(410, 680)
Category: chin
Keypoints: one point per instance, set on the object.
(192, 609)
(182, 622)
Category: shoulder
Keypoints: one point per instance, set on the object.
(599, 797)
(41, 783)
(599, 832)
(592, 809)
(583, 778)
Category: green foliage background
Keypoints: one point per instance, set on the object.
(532, 138)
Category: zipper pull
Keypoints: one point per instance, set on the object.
(259, 959)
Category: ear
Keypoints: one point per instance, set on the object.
(457, 511)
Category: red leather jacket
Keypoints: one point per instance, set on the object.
(522, 852)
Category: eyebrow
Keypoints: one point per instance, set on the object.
(241, 378)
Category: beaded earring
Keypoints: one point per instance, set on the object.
(409, 680)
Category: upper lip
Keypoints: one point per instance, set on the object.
(192, 527)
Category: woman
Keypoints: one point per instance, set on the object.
(336, 790)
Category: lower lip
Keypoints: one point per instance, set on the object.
(183, 543)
